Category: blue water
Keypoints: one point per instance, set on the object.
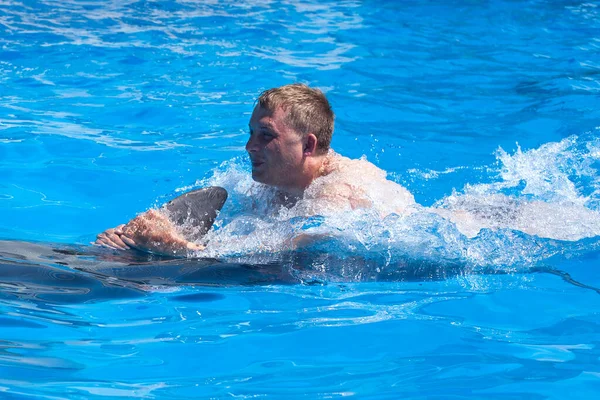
(108, 108)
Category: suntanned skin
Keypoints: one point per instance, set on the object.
(291, 161)
(280, 157)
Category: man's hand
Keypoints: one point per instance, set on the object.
(151, 231)
(111, 238)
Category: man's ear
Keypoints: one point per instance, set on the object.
(310, 145)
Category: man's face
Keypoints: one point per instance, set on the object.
(275, 150)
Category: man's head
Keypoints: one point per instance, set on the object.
(290, 131)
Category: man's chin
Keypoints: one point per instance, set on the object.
(259, 176)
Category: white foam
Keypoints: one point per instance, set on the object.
(536, 197)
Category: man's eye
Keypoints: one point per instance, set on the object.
(267, 134)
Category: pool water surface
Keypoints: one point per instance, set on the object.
(109, 108)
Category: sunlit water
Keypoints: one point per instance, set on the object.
(109, 108)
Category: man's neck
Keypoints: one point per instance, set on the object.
(311, 170)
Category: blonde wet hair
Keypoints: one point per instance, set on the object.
(308, 110)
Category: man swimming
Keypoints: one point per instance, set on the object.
(289, 148)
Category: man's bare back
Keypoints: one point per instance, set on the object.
(346, 184)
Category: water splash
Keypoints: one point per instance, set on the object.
(555, 172)
(539, 203)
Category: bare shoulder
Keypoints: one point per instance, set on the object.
(358, 183)
(349, 168)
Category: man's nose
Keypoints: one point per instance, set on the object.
(252, 144)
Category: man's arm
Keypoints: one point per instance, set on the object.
(152, 232)
(328, 199)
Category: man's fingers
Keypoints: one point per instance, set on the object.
(117, 240)
(119, 229)
(128, 241)
(116, 245)
(104, 242)
(112, 241)
(100, 242)
(100, 239)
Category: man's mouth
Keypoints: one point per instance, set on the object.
(256, 163)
